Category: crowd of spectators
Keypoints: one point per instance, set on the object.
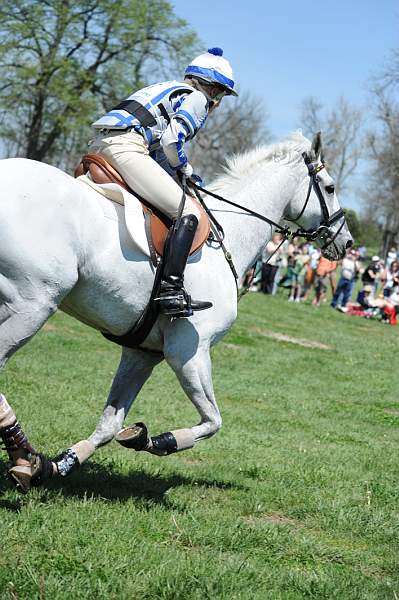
(359, 284)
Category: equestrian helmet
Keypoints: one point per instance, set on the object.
(211, 67)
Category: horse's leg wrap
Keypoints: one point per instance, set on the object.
(171, 442)
(16, 441)
(136, 437)
(72, 458)
(17, 445)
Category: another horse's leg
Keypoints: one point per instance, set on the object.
(134, 369)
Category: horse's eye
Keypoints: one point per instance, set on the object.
(330, 189)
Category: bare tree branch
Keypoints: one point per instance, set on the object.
(384, 148)
(342, 139)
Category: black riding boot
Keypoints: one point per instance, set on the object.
(173, 298)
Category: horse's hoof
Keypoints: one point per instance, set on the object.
(42, 469)
(21, 477)
(135, 437)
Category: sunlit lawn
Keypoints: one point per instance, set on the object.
(296, 497)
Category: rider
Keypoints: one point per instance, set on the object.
(143, 139)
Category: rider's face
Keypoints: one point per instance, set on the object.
(215, 92)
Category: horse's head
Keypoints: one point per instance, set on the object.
(316, 209)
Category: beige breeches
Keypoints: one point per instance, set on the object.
(129, 155)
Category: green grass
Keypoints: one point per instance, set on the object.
(296, 497)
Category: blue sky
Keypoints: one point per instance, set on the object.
(285, 51)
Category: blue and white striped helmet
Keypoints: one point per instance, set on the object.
(213, 68)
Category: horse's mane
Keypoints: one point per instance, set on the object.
(240, 166)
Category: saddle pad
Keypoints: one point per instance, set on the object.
(102, 174)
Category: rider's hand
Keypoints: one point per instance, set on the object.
(187, 170)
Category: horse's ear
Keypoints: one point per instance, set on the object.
(316, 145)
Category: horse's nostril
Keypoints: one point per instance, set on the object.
(349, 244)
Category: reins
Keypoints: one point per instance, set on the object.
(248, 210)
(322, 231)
(218, 233)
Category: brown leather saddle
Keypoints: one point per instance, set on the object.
(102, 172)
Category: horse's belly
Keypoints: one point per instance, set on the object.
(112, 297)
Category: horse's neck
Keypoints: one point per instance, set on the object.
(246, 235)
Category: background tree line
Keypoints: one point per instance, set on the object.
(64, 63)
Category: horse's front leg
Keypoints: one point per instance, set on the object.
(195, 376)
(134, 369)
(194, 371)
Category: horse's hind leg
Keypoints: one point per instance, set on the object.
(19, 324)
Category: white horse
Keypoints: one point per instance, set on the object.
(61, 248)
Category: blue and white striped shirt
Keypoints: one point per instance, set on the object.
(187, 111)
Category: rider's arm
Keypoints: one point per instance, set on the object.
(189, 117)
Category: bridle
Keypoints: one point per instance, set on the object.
(323, 232)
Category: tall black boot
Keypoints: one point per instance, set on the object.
(173, 298)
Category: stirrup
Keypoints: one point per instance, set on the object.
(177, 303)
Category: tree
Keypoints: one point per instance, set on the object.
(66, 61)
(382, 195)
(370, 233)
(341, 129)
(237, 125)
(353, 223)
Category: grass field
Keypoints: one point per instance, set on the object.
(296, 497)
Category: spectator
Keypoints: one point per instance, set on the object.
(388, 307)
(310, 276)
(391, 257)
(298, 278)
(390, 278)
(343, 292)
(323, 272)
(271, 258)
(332, 278)
(364, 297)
(371, 272)
(287, 280)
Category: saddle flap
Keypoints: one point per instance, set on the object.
(102, 172)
